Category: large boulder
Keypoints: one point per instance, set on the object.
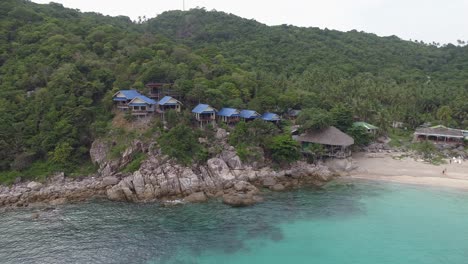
(221, 134)
(268, 182)
(98, 152)
(138, 184)
(219, 169)
(109, 181)
(231, 159)
(34, 186)
(116, 194)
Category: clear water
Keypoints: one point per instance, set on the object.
(344, 223)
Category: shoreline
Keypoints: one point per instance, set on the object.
(390, 167)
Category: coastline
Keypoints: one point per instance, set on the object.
(393, 167)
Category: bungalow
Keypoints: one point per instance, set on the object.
(336, 143)
(142, 106)
(370, 129)
(123, 97)
(439, 134)
(228, 115)
(204, 114)
(271, 117)
(168, 103)
(249, 115)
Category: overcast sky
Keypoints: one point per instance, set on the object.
(427, 20)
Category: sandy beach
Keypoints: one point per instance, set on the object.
(389, 167)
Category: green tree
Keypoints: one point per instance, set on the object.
(284, 149)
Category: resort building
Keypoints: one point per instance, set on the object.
(271, 117)
(142, 106)
(204, 114)
(439, 134)
(336, 143)
(249, 115)
(123, 97)
(370, 129)
(169, 103)
(228, 115)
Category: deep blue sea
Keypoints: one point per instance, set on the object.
(355, 223)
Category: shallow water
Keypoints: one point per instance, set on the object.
(363, 222)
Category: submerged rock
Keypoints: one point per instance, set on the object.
(196, 197)
(241, 199)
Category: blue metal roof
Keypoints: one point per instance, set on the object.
(229, 112)
(165, 100)
(202, 109)
(145, 99)
(129, 95)
(249, 114)
(270, 117)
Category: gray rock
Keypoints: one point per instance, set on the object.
(221, 134)
(277, 187)
(219, 169)
(98, 152)
(109, 181)
(196, 197)
(267, 182)
(35, 186)
(138, 184)
(116, 194)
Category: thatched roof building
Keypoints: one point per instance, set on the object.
(331, 136)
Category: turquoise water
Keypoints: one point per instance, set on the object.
(343, 223)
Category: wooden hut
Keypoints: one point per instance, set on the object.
(204, 114)
(228, 115)
(335, 142)
(123, 97)
(249, 115)
(439, 134)
(142, 106)
(169, 103)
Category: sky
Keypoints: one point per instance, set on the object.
(442, 21)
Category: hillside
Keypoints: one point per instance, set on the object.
(59, 68)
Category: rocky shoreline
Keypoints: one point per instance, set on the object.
(160, 178)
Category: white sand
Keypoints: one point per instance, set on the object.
(386, 167)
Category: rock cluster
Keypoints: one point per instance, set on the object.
(160, 177)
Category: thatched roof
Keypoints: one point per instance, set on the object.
(440, 131)
(329, 136)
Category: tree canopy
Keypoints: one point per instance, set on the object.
(59, 68)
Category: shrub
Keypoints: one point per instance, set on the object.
(284, 149)
(181, 143)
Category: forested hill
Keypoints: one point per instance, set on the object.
(59, 68)
(289, 50)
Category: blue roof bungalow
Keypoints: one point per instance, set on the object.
(142, 106)
(204, 114)
(249, 115)
(123, 97)
(271, 117)
(229, 115)
(169, 103)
